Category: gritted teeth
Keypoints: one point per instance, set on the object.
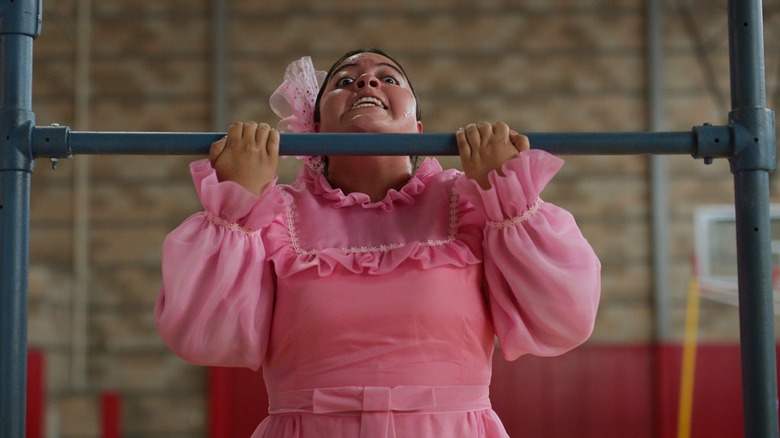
(368, 101)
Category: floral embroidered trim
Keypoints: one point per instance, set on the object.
(452, 234)
(381, 248)
(497, 225)
(288, 216)
(453, 225)
(232, 226)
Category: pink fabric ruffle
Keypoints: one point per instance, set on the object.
(233, 203)
(320, 186)
(461, 247)
(330, 260)
(517, 190)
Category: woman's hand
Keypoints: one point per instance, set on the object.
(248, 155)
(485, 147)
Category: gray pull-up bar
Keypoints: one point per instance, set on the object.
(748, 141)
(703, 141)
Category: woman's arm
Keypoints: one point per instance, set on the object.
(215, 304)
(542, 277)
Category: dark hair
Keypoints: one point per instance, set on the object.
(357, 52)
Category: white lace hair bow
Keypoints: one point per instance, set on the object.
(294, 99)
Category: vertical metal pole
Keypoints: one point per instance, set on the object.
(14, 203)
(658, 171)
(19, 25)
(754, 157)
(81, 204)
(659, 205)
(220, 64)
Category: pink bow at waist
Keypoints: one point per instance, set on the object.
(377, 404)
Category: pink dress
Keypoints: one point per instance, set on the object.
(378, 319)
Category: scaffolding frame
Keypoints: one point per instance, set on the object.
(747, 141)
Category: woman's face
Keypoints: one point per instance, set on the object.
(368, 93)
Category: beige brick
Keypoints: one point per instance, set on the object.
(601, 198)
(51, 244)
(134, 286)
(688, 108)
(687, 194)
(51, 203)
(116, 244)
(53, 75)
(143, 203)
(155, 371)
(150, 113)
(173, 8)
(57, 371)
(162, 415)
(623, 322)
(152, 38)
(709, 20)
(140, 77)
(57, 36)
(629, 280)
(619, 240)
(576, 167)
(150, 170)
(685, 167)
(78, 415)
(53, 109)
(122, 329)
(684, 72)
(50, 322)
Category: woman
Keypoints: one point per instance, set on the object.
(368, 291)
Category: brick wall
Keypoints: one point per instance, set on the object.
(563, 65)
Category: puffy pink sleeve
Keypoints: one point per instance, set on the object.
(543, 278)
(214, 306)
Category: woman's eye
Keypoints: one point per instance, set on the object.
(391, 80)
(343, 82)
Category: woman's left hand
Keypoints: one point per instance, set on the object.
(485, 147)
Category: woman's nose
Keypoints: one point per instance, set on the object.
(370, 81)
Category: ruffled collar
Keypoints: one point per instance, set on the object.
(319, 185)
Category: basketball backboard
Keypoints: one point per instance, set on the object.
(716, 252)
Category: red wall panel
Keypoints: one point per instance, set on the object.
(589, 392)
(592, 391)
(36, 394)
(238, 402)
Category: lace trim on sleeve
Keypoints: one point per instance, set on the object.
(498, 225)
(232, 226)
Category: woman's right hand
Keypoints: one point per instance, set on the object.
(248, 155)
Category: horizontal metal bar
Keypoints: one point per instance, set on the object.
(161, 143)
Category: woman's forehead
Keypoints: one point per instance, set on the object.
(366, 58)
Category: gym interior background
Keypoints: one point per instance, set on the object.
(98, 222)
